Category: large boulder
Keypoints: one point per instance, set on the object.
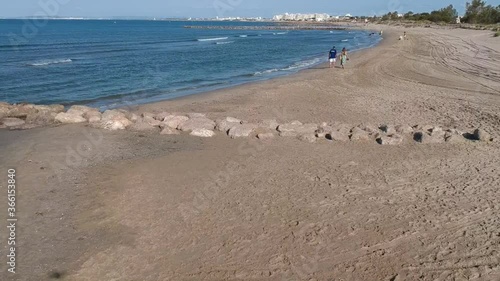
(388, 129)
(92, 116)
(161, 116)
(173, 121)
(309, 137)
(169, 131)
(151, 121)
(296, 128)
(80, 110)
(143, 126)
(269, 123)
(21, 110)
(428, 138)
(226, 124)
(358, 134)
(113, 120)
(4, 109)
(203, 133)
(393, 139)
(265, 136)
(403, 129)
(12, 122)
(337, 136)
(113, 114)
(196, 123)
(56, 108)
(68, 118)
(482, 135)
(42, 118)
(242, 130)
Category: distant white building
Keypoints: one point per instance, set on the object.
(302, 17)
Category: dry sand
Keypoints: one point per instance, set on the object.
(98, 205)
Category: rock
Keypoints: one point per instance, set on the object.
(233, 120)
(129, 115)
(452, 138)
(404, 129)
(169, 131)
(196, 123)
(224, 125)
(269, 123)
(68, 118)
(113, 120)
(265, 136)
(425, 138)
(148, 114)
(298, 128)
(371, 129)
(173, 121)
(288, 134)
(482, 135)
(4, 111)
(321, 133)
(196, 115)
(42, 117)
(21, 111)
(161, 116)
(80, 110)
(308, 138)
(113, 114)
(92, 116)
(12, 122)
(111, 125)
(151, 121)
(337, 136)
(242, 130)
(358, 134)
(204, 133)
(56, 108)
(388, 129)
(143, 126)
(390, 140)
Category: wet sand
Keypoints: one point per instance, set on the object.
(100, 205)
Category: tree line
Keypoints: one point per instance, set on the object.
(476, 12)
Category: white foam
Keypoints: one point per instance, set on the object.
(225, 42)
(243, 36)
(302, 64)
(258, 73)
(345, 40)
(279, 33)
(47, 62)
(212, 39)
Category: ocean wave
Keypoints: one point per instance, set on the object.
(259, 73)
(302, 64)
(243, 36)
(345, 40)
(224, 42)
(211, 39)
(279, 33)
(49, 62)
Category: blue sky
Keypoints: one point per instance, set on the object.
(212, 8)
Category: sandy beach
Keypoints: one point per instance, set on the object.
(121, 205)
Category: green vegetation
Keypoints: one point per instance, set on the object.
(477, 12)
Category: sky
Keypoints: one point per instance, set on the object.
(213, 8)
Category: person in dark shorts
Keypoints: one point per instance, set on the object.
(332, 57)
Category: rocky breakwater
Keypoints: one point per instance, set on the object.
(27, 116)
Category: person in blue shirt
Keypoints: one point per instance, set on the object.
(332, 56)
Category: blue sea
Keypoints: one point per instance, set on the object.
(114, 63)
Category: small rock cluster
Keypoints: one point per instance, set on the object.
(26, 116)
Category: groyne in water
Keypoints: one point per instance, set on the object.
(268, 27)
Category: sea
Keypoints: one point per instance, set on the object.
(113, 63)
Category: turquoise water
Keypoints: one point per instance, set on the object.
(114, 63)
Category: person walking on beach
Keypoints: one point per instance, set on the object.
(332, 56)
(343, 57)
